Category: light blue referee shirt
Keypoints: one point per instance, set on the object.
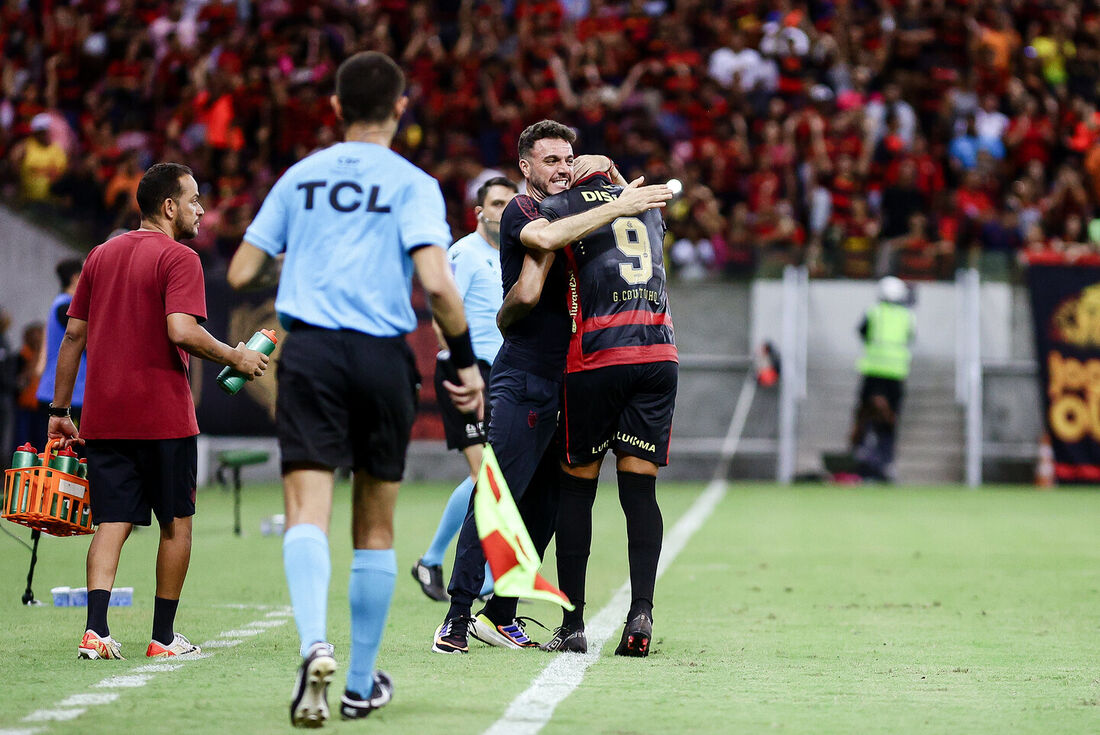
(347, 218)
(476, 266)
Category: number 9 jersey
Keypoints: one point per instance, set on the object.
(616, 295)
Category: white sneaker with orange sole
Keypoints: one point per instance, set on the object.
(179, 646)
(93, 647)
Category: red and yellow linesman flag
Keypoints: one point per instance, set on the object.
(504, 539)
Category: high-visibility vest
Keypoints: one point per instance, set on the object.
(886, 353)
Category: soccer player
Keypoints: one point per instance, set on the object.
(136, 311)
(353, 222)
(475, 260)
(619, 394)
(526, 377)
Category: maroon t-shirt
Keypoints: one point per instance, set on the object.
(137, 381)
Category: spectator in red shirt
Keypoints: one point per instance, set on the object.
(137, 310)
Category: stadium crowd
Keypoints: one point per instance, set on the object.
(861, 137)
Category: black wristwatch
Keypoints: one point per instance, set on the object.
(62, 412)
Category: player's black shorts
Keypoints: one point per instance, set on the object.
(128, 479)
(627, 408)
(346, 399)
(892, 390)
(461, 434)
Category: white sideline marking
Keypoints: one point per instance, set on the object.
(153, 668)
(124, 682)
(83, 700)
(532, 709)
(73, 706)
(221, 643)
(240, 632)
(54, 715)
(266, 623)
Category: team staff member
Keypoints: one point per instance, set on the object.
(136, 311)
(68, 272)
(620, 390)
(475, 260)
(526, 378)
(354, 221)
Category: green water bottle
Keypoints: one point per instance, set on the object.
(25, 456)
(82, 470)
(231, 381)
(65, 461)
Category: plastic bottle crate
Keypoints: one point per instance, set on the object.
(47, 499)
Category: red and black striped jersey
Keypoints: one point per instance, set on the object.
(617, 301)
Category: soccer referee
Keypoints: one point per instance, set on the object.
(352, 222)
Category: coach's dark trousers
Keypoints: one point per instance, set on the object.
(521, 432)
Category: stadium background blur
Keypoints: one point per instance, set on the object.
(858, 137)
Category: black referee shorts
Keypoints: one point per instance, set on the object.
(459, 432)
(892, 390)
(627, 408)
(346, 399)
(130, 479)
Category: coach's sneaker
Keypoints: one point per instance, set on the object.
(567, 640)
(636, 635)
(179, 646)
(450, 637)
(511, 635)
(93, 647)
(431, 580)
(309, 704)
(354, 707)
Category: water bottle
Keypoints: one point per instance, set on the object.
(25, 456)
(82, 470)
(65, 461)
(231, 381)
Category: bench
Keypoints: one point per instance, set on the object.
(235, 459)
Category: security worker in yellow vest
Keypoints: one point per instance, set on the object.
(887, 330)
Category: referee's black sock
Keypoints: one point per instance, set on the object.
(97, 612)
(574, 534)
(644, 531)
(164, 620)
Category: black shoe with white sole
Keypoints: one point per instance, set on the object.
(354, 707)
(309, 704)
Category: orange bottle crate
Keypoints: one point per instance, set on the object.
(47, 499)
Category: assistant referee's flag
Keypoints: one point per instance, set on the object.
(504, 539)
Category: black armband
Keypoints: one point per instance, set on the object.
(61, 412)
(462, 350)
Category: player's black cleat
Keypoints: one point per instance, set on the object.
(636, 635)
(567, 640)
(354, 707)
(309, 702)
(430, 579)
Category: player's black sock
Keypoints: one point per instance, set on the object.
(164, 620)
(574, 539)
(501, 610)
(644, 530)
(97, 612)
(458, 609)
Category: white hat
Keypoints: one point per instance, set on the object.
(41, 121)
(892, 289)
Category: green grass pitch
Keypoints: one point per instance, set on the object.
(798, 610)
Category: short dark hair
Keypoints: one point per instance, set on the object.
(483, 190)
(368, 85)
(67, 270)
(544, 129)
(160, 182)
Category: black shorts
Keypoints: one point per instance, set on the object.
(346, 399)
(130, 478)
(460, 433)
(892, 390)
(627, 408)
